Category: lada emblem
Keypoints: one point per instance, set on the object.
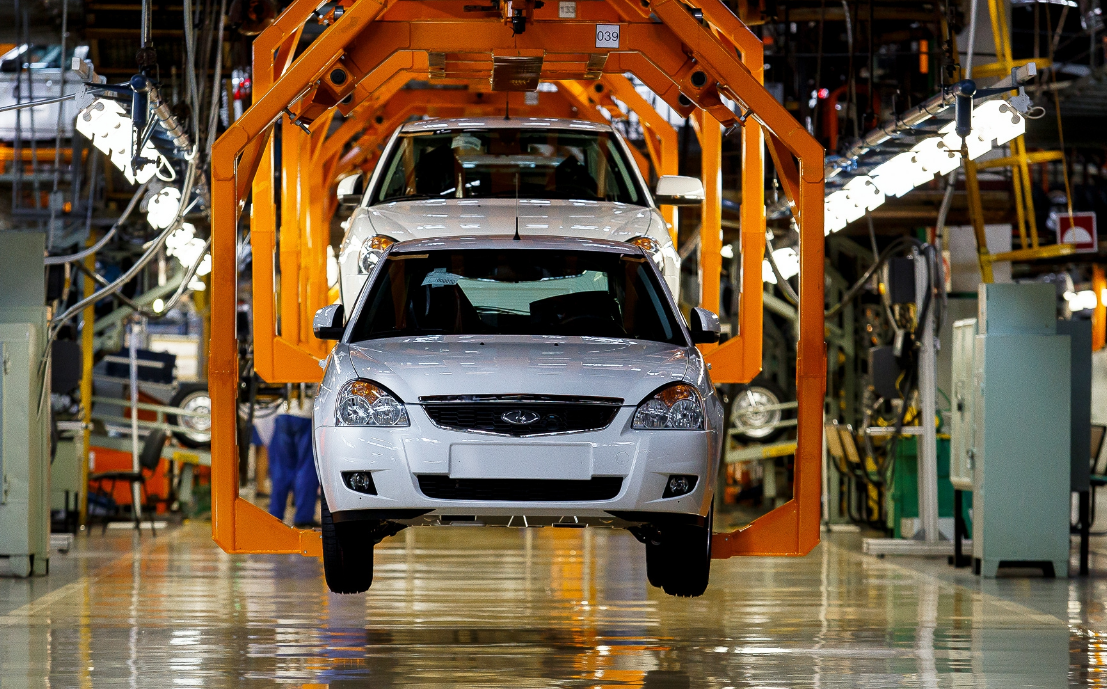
(520, 417)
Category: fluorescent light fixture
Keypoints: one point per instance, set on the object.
(1103, 296)
(863, 191)
(183, 244)
(205, 266)
(834, 213)
(787, 261)
(992, 121)
(936, 157)
(108, 126)
(162, 208)
(895, 177)
(1000, 120)
(767, 274)
(1079, 301)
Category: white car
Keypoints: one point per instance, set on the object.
(40, 79)
(482, 176)
(539, 381)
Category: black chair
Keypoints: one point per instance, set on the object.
(148, 460)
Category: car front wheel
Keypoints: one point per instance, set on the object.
(347, 554)
(680, 563)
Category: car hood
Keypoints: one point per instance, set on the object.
(462, 217)
(414, 367)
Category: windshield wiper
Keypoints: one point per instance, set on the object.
(412, 197)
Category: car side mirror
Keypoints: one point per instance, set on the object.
(704, 326)
(327, 323)
(676, 190)
(350, 190)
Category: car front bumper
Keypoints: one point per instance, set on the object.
(397, 457)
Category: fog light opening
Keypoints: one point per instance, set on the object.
(360, 482)
(679, 484)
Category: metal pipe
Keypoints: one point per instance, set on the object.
(166, 118)
(972, 40)
(132, 351)
(144, 36)
(928, 447)
(61, 121)
(88, 324)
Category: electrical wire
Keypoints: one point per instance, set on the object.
(190, 69)
(853, 291)
(151, 251)
(785, 287)
(59, 260)
(217, 83)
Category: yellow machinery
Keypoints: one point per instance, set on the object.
(1019, 161)
(709, 69)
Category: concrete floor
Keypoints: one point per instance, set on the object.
(537, 608)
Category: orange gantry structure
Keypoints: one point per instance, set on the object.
(709, 68)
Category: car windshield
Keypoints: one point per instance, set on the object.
(509, 163)
(34, 57)
(517, 292)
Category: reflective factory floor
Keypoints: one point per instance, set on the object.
(537, 608)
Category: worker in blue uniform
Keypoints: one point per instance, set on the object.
(292, 464)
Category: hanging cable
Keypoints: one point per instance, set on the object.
(59, 260)
(190, 69)
(785, 287)
(217, 83)
(853, 291)
(1057, 108)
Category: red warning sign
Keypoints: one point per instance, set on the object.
(1078, 229)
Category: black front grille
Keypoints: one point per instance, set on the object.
(530, 417)
(520, 489)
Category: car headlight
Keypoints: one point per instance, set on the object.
(652, 248)
(677, 407)
(364, 403)
(371, 251)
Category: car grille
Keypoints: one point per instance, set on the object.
(520, 490)
(531, 416)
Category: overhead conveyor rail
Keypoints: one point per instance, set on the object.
(371, 47)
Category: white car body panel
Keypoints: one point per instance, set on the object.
(407, 220)
(417, 367)
(39, 123)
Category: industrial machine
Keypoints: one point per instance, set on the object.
(1013, 451)
(24, 451)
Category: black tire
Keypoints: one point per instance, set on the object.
(657, 564)
(759, 391)
(347, 554)
(194, 397)
(688, 553)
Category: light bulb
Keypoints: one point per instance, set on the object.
(163, 207)
(767, 274)
(895, 177)
(787, 262)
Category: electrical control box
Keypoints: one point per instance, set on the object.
(1022, 430)
(24, 407)
(962, 453)
(884, 371)
(1080, 336)
(24, 456)
(899, 280)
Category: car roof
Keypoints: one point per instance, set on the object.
(507, 241)
(439, 124)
